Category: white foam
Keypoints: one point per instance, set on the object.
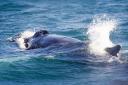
(49, 57)
(99, 33)
(25, 34)
(115, 59)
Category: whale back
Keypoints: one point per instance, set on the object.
(51, 39)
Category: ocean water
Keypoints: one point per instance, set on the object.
(65, 17)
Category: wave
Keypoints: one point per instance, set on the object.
(14, 59)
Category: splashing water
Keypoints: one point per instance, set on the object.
(99, 34)
(23, 35)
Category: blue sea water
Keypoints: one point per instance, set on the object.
(66, 17)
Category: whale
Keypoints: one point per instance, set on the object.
(43, 39)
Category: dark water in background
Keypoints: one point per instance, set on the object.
(65, 17)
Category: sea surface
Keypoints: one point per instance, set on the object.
(65, 17)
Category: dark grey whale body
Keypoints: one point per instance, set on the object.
(42, 39)
(52, 39)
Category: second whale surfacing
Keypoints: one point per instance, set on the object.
(43, 39)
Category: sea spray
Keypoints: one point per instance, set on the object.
(99, 33)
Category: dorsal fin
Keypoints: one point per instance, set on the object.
(113, 50)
